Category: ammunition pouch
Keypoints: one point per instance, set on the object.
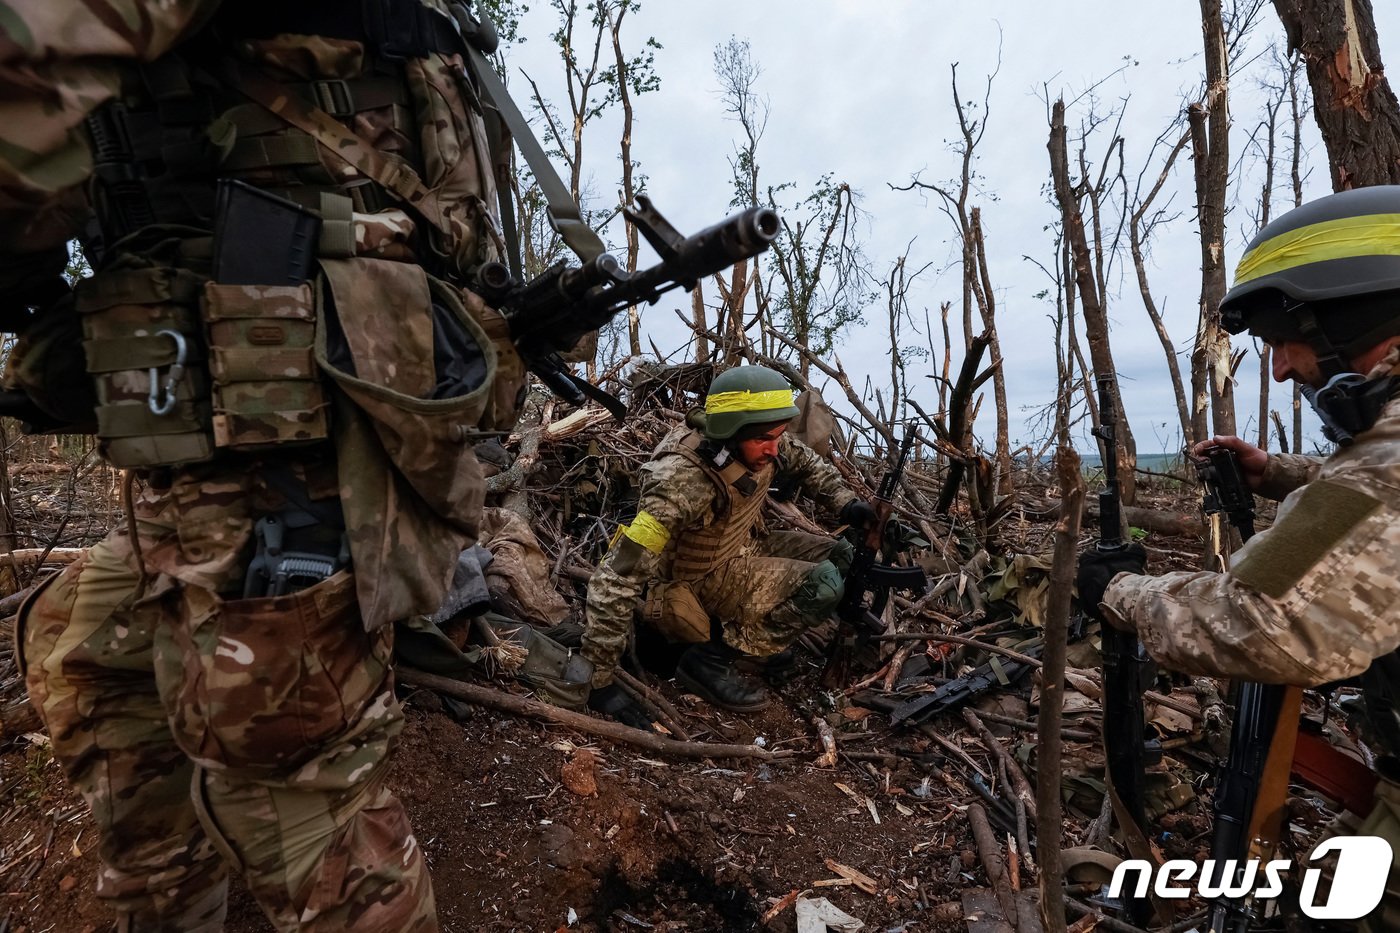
(674, 610)
(265, 383)
(145, 350)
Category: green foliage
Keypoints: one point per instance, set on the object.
(506, 15)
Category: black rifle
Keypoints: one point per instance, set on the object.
(869, 583)
(1127, 669)
(1246, 824)
(996, 673)
(549, 314)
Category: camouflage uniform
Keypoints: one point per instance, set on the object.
(753, 583)
(204, 729)
(1312, 599)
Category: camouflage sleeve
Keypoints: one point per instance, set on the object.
(818, 478)
(58, 63)
(1310, 600)
(1284, 473)
(675, 495)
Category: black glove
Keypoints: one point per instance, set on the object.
(612, 702)
(1098, 568)
(857, 513)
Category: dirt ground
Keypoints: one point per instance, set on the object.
(662, 845)
(518, 840)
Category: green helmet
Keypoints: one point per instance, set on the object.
(1327, 273)
(744, 396)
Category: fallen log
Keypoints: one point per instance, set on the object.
(503, 702)
(1182, 524)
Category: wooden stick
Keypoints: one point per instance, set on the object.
(990, 851)
(828, 742)
(535, 709)
(670, 718)
(1049, 830)
(1017, 777)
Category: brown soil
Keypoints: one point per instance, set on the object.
(682, 846)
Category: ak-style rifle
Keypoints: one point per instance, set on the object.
(1252, 783)
(549, 314)
(868, 582)
(1127, 669)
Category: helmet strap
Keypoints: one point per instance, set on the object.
(1350, 403)
(1329, 359)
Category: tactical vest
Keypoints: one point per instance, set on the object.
(361, 117)
(739, 498)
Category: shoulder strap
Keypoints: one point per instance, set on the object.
(398, 178)
(732, 475)
(564, 212)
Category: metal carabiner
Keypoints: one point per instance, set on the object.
(172, 378)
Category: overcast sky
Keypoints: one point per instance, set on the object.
(860, 89)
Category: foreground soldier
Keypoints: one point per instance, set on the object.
(1316, 597)
(694, 557)
(214, 678)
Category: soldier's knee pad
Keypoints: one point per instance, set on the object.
(820, 591)
(842, 553)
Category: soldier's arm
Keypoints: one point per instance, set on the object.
(818, 478)
(58, 63)
(675, 494)
(1311, 600)
(1283, 473)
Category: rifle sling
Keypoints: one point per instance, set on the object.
(1266, 818)
(1139, 848)
(564, 211)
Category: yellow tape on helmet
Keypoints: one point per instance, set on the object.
(748, 401)
(1344, 238)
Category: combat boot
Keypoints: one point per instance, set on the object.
(708, 669)
(778, 669)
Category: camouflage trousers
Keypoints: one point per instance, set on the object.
(760, 596)
(206, 733)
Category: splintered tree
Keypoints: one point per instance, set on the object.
(1223, 31)
(1352, 100)
(815, 283)
(1265, 141)
(1089, 272)
(634, 75)
(738, 76)
(593, 86)
(1143, 221)
(977, 290)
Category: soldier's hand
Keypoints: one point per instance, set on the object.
(613, 703)
(857, 513)
(1252, 459)
(1098, 568)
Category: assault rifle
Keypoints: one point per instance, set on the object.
(549, 314)
(869, 583)
(1252, 783)
(961, 691)
(1127, 669)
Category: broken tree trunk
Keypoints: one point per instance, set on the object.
(1356, 109)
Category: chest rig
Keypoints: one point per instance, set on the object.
(738, 509)
(217, 188)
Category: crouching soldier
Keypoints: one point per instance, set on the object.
(697, 561)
